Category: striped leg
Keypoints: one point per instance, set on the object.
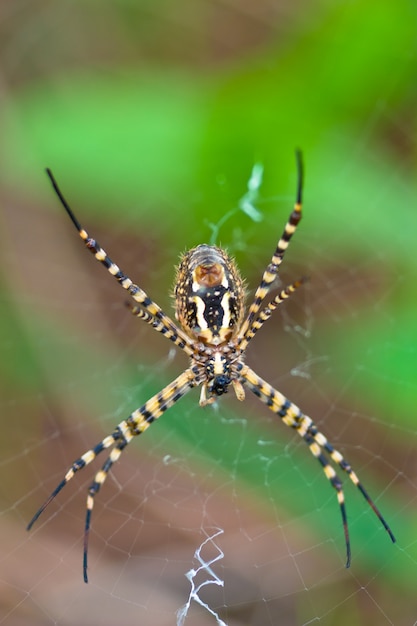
(138, 294)
(271, 271)
(266, 313)
(172, 335)
(94, 488)
(318, 444)
(134, 425)
(79, 464)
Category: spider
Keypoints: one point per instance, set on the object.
(214, 331)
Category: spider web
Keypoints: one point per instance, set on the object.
(217, 515)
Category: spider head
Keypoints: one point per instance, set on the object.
(217, 372)
(220, 384)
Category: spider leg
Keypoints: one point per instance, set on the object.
(271, 271)
(266, 313)
(138, 294)
(318, 444)
(171, 334)
(94, 488)
(135, 424)
(79, 464)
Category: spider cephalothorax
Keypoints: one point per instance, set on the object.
(218, 367)
(214, 333)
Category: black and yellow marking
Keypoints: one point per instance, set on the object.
(318, 445)
(171, 334)
(266, 313)
(134, 425)
(271, 271)
(209, 295)
(138, 294)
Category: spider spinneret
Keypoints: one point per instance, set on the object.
(214, 332)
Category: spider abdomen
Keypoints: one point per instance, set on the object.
(209, 295)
